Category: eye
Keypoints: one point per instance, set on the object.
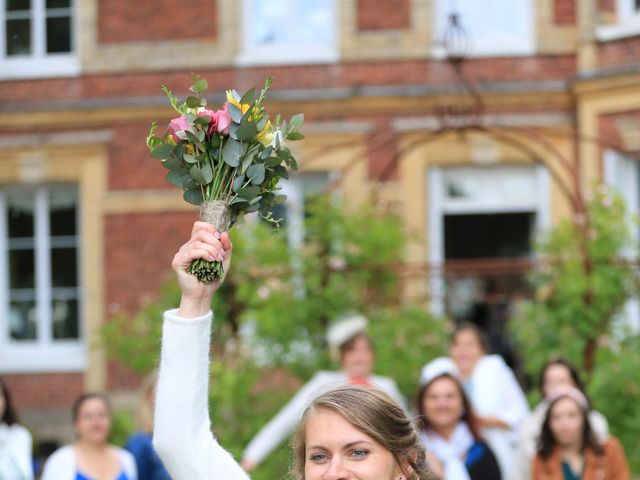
(318, 457)
(359, 453)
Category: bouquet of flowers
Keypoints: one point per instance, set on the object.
(228, 161)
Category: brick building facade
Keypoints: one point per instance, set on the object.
(80, 84)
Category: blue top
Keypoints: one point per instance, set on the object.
(81, 476)
(568, 473)
(149, 465)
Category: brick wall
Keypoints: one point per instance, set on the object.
(564, 12)
(130, 165)
(382, 148)
(50, 389)
(384, 15)
(160, 20)
(608, 6)
(619, 53)
(503, 69)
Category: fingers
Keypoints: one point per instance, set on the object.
(226, 242)
(205, 243)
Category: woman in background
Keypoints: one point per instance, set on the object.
(569, 450)
(15, 441)
(91, 457)
(450, 430)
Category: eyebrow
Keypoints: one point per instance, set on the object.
(348, 445)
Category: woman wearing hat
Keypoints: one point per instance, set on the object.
(568, 448)
(348, 342)
(492, 389)
(449, 429)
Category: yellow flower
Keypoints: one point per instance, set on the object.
(265, 136)
(231, 99)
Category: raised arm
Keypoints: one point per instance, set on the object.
(182, 430)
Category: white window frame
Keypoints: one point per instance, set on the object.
(44, 354)
(484, 45)
(40, 63)
(628, 23)
(623, 174)
(284, 54)
(439, 206)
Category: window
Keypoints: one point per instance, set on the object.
(40, 323)
(628, 22)
(494, 27)
(288, 31)
(36, 38)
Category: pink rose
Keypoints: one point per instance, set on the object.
(223, 120)
(177, 127)
(212, 120)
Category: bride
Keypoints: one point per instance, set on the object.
(347, 433)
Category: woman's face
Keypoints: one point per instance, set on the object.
(466, 351)
(94, 421)
(566, 420)
(555, 376)
(442, 403)
(357, 362)
(336, 450)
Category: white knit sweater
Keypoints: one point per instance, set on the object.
(182, 431)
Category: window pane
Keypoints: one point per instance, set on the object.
(64, 317)
(22, 320)
(21, 269)
(58, 34)
(58, 3)
(20, 216)
(16, 5)
(284, 22)
(18, 37)
(63, 213)
(64, 267)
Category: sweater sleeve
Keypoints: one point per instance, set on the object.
(21, 446)
(182, 436)
(283, 424)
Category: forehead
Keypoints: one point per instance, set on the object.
(557, 370)
(93, 404)
(331, 430)
(442, 385)
(565, 405)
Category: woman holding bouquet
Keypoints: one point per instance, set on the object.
(350, 432)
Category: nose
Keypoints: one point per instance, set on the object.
(336, 470)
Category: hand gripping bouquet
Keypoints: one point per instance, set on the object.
(228, 161)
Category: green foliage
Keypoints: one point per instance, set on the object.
(122, 427)
(581, 286)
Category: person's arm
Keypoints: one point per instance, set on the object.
(182, 433)
(514, 407)
(281, 426)
(142, 453)
(617, 459)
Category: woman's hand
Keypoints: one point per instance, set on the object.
(206, 243)
(493, 422)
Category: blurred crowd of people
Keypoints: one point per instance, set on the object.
(470, 412)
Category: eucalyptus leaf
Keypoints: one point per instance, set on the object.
(163, 151)
(266, 153)
(248, 97)
(231, 152)
(279, 199)
(203, 120)
(197, 175)
(207, 173)
(238, 182)
(238, 200)
(296, 121)
(234, 112)
(193, 196)
(200, 134)
(255, 200)
(273, 161)
(256, 173)
(248, 193)
(189, 158)
(246, 131)
(252, 207)
(233, 130)
(171, 164)
(193, 102)
(192, 138)
(281, 172)
(295, 136)
(199, 86)
(175, 177)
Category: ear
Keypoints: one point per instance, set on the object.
(405, 470)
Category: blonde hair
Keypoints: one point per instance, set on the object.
(375, 414)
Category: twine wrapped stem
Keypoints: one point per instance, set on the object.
(216, 213)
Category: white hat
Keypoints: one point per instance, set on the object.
(435, 368)
(344, 329)
(571, 392)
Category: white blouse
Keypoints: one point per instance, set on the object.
(182, 434)
(15, 452)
